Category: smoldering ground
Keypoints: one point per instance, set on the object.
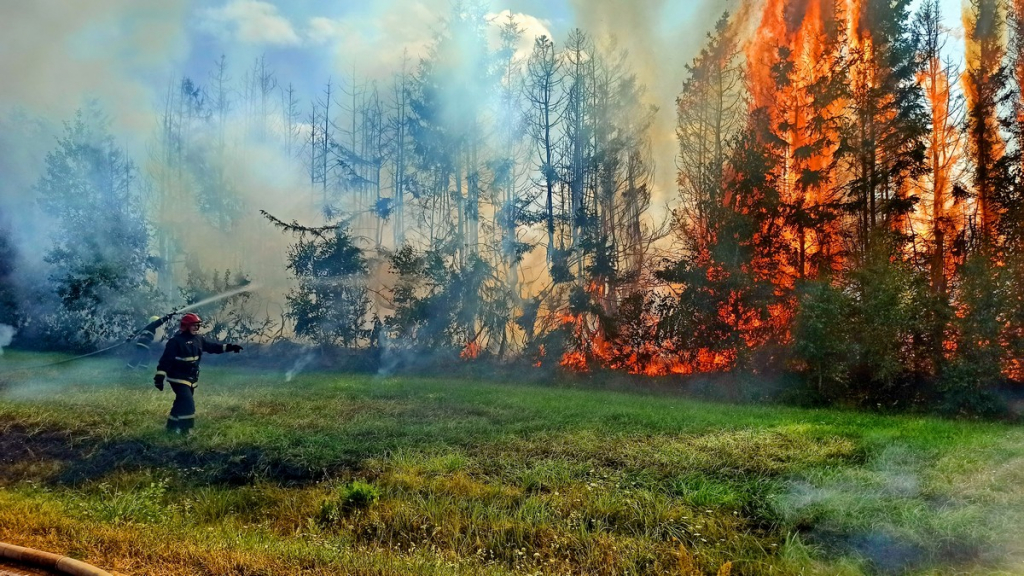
(892, 517)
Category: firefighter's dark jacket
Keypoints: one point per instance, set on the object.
(148, 333)
(180, 361)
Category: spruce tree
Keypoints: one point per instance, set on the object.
(99, 257)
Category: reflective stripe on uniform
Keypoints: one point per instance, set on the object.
(178, 381)
(189, 417)
(223, 347)
(189, 359)
(161, 373)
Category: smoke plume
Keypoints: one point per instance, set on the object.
(6, 336)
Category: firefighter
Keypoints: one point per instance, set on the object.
(141, 355)
(179, 365)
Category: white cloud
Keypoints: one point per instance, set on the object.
(322, 30)
(252, 21)
(374, 43)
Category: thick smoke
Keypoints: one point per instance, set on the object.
(125, 55)
(129, 55)
(54, 54)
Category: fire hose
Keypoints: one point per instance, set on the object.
(127, 340)
(47, 560)
(132, 337)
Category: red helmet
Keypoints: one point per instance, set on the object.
(190, 319)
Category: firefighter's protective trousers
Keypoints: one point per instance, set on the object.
(183, 411)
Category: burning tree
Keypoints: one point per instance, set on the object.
(984, 83)
(798, 78)
(850, 121)
(942, 212)
(710, 114)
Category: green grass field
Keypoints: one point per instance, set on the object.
(338, 474)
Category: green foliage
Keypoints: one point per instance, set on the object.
(442, 303)
(330, 304)
(892, 328)
(967, 383)
(888, 298)
(99, 256)
(964, 394)
(870, 339)
(358, 495)
(351, 497)
(823, 339)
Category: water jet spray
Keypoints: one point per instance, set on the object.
(246, 288)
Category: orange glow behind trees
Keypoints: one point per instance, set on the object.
(984, 33)
(940, 216)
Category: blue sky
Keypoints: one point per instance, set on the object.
(307, 42)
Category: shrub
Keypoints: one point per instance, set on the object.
(821, 338)
(354, 496)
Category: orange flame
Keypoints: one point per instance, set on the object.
(541, 353)
(985, 48)
(801, 32)
(940, 217)
(471, 351)
(575, 362)
(639, 354)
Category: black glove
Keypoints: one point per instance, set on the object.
(167, 317)
(158, 382)
(232, 348)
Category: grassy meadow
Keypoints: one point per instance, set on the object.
(340, 474)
